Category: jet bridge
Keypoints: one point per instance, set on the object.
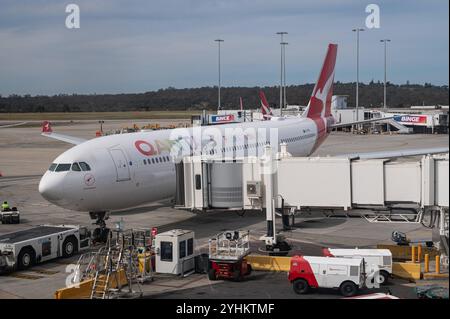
(379, 190)
(313, 183)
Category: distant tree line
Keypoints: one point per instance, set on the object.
(371, 95)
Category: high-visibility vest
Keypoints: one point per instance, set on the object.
(5, 206)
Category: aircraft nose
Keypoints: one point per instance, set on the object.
(51, 188)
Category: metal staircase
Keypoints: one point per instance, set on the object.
(127, 253)
(400, 127)
(120, 257)
(86, 266)
(101, 287)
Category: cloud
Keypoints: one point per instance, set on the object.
(143, 45)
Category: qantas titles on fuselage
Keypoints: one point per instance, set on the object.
(127, 170)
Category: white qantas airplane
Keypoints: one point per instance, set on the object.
(126, 170)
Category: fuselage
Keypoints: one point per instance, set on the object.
(126, 170)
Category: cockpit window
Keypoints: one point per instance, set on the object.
(76, 167)
(52, 167)
(63, 167)
(84, 166)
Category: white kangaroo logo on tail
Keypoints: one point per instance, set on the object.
(321, 94)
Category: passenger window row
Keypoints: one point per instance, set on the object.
(297, 138)
(156, 160)
(76, 167)
(239, 147)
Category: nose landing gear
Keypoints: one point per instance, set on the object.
(100, 234)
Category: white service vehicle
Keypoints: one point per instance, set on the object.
(345, 274)
(378, 261)
(25, 248)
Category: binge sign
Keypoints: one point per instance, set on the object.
(216, 119)
(411, 119)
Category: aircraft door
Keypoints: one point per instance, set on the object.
(121, 164)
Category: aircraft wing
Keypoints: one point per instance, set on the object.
(48, 132)
(398, 153)
(12, 125)
(361, 122)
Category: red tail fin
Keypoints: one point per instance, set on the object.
(46, 128)
(265, 108)
(326, 252)
(320, 102)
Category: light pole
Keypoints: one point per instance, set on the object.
(282, 33)
(357, 30)
(218, 42)
(385, 41)
(284, 44)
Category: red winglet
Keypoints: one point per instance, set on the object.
(46, 127)
(326, 252)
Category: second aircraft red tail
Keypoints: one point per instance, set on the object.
(265, 108)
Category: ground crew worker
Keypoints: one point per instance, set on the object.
(5, 206)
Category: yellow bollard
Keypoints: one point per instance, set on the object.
(413, 254)
(438, 264)
(427, 263)
(419, 253)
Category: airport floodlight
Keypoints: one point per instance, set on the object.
(357, 30)
(284, 44)
(282, 68)
(385, 41)
(219, 41)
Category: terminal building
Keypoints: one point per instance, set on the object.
(416, 119)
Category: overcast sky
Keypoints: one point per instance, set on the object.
(137, 46)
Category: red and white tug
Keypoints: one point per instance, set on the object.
(347, 275)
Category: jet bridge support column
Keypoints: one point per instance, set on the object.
(267, 171)
(276, 244)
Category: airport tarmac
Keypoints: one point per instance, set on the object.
(25, 155)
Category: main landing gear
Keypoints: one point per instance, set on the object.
(101, 233)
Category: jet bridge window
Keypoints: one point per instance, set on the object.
(63, 167)
(76, 167)
(84, 166)
(52, 167)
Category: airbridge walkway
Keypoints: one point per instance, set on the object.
(380, 190)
